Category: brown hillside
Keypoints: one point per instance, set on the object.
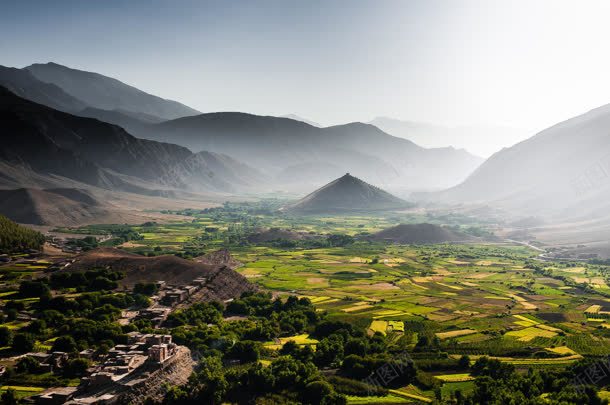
(50, 206)
(220, 257)
(420, 234)
(263, 235)
(223, 283)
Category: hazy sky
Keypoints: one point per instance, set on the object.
(524, 64)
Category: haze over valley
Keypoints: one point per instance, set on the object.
(394, 202)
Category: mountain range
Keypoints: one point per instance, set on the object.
(48, 144)
(64, 128)
(292, 152)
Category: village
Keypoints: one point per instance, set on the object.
(143, 359)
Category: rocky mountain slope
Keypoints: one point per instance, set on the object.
(46, 142)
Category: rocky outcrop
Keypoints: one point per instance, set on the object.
(176, 371)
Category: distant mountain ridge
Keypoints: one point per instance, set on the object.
(106, 93)
(346, 194)
(481, 140)
(290, 154)
(280, 146)
(305, 120)
(562, 172)
(53, 143)
(25, 85)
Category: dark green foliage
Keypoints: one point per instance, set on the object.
(349, 386)
(338, 240)
(86, 243)
(6, 336)
(200, 313)
(147, 289)
(33, 288)
(245, 351)
(16, 238)
(23, 342)
(27, 365)
(9, 397)
(65, 344)
(93, 280)
(492, 368)
(76, 367)
(515, 388)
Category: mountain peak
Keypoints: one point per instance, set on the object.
(346, 194)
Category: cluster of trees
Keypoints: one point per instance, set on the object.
(82, 321)
(285, 381)
(92, 280)
(499, 383)
(15, 238)
(86, 243)
(296, 372)
(124, 234)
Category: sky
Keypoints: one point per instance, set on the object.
(514, 64)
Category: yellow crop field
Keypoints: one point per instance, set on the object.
(530, 333)
(562, 350)
(396, 326)
(455, 377)
(549, 328)
(593, 309)
(302, 340)
(455, 333)
(379, 326)
(357, 307)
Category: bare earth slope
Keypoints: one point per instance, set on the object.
(51, 206)
(222, 282)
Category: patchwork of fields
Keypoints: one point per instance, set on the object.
(484, 299)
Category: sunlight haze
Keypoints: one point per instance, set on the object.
(523, 65)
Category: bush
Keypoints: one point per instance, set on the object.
(77, 367)
(316, 391)
(65, 344)
(357, 388)
(27, 365)
(6, 336)
(23, 342)
(147, 289)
